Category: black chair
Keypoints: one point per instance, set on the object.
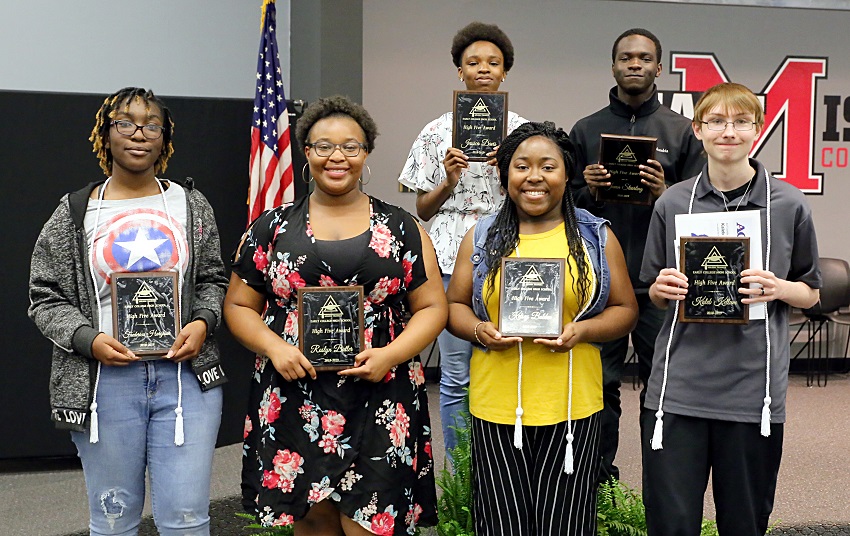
(796, 319)
(842, 318)
(834, 294)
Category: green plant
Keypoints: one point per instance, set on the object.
(265, 531)
(454, 507)
(708, 528)
(619, 510)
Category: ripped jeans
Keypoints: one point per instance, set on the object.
(136, 418)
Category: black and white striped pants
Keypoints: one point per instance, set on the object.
(526, 492)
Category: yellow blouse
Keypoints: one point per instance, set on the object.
(493, 374)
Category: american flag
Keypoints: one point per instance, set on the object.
(271, 155)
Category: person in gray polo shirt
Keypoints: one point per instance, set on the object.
(715, 401)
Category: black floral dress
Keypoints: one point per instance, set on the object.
(365, 446)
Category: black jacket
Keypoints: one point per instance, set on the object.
(678, 150)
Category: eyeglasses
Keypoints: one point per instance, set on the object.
(741, 125)
(325, 148)
(128, 128)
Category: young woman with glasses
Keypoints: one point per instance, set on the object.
(130, 414)
(344, 452)
(456, 192)
(715, 402)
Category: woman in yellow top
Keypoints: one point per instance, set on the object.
(535, 403)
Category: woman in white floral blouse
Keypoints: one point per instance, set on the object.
(458, 191)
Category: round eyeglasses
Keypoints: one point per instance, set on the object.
(741, 125)
(326, 148)
(128, 128)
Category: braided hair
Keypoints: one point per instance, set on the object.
(503, 235)
(103, 121)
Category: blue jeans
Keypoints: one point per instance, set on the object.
(135, 406)
(454, 380)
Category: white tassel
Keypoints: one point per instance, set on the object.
(518, 429)
(178, 427)
(519, 412)
(658, 434)
(765, 417)
(178, 424)
(568, 460)
(94, 434)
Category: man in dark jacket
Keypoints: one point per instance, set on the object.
(634, 110)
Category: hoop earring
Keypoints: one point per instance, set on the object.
(370, 176)
(307, 181)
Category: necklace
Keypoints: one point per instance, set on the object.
(723, 195)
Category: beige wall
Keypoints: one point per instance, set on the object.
(562, 70)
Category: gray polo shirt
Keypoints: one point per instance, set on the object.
(717, 371)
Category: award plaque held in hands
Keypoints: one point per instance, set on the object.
(621, 156)
(145, 311)
(713, 266)
(532, 297)
(330, 325)
(479, 122)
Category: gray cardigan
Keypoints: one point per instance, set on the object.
(62, 300)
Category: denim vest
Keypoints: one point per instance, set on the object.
(592, 230)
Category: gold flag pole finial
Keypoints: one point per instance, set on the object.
(263, 13)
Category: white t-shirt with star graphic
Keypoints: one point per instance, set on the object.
(136, 235)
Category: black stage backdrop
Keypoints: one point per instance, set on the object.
(44, 154)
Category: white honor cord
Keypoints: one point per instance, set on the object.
(519, 411)
(658, 433)
(94, 431)
(518, 423)
(178, 423)
(765, 410)
(568, 458)
(94, 435)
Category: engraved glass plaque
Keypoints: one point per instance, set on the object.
(713, 266)
(621, 156)
(330, 325)
(532, 297)
(480, 122)
(145, 312)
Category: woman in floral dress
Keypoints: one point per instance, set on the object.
(346, 452)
